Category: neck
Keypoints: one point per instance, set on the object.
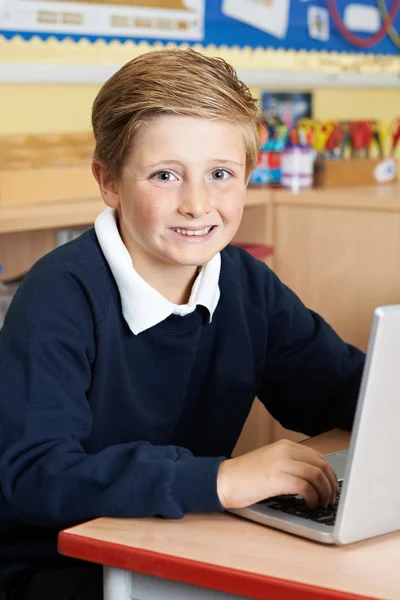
(173, 282)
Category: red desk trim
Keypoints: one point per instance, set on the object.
(194, 572)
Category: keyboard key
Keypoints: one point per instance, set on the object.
(325, 518)
(295, 505)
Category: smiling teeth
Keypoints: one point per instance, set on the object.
(191, 232)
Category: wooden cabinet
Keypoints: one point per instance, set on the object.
(20, 250)
(340, 252)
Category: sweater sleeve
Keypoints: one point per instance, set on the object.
(47, 348)
(312, 377)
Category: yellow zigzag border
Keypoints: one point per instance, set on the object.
(84, 52)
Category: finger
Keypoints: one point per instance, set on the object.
(319, 460)
(331, 474)
(300, 487)
(315, 476)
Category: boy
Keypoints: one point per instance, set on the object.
(130, 358)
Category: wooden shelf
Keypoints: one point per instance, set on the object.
(258, 196)
(83, 212)
(384, 197)
(49, 216)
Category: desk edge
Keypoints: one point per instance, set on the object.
(193, 572)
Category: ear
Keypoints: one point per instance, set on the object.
(107, 184)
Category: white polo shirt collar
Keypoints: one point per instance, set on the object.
(142, 306)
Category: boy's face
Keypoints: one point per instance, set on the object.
(181, 194)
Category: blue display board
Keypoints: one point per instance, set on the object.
(328, 25)
(310, 26)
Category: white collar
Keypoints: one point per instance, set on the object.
(142, 306)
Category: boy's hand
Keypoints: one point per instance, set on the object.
(280, 468)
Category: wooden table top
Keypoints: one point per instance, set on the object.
(238, 556)
(381, 197)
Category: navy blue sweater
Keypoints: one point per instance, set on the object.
(95, 421)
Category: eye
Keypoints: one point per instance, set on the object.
(221, 174)
(164, 176)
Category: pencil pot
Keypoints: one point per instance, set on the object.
(268, 168)
(297, 166)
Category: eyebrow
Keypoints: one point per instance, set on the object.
(221, 161)
(228, 161)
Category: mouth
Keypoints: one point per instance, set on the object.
(194, 233)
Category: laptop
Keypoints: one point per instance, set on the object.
(368, 472)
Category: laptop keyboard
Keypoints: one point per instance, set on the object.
(294, 505)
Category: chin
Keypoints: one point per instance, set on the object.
(195, 262)
(195, 259)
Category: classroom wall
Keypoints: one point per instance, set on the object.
(345, 103)
(30, 108)
(27, 108)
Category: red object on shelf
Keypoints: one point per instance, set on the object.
(259, 251)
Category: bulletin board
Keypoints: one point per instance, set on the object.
(370, 26)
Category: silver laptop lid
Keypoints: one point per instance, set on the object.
(370, 500)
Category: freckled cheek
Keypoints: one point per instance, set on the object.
(151, 213)
(231, 207)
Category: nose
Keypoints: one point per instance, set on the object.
(195, 200)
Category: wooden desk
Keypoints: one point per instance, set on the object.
(150, 559)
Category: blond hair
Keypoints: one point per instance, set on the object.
(165, 82)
